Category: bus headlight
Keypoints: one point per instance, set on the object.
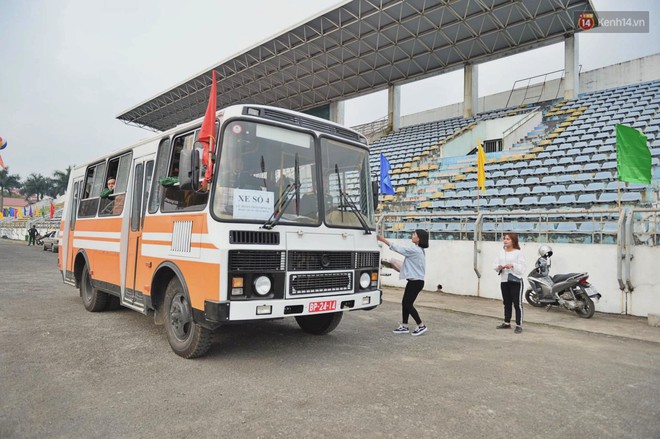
(365, 280)
(262, 285)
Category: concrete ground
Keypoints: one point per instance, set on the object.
(68, 373)
(629, 327)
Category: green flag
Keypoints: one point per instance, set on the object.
(633, 158)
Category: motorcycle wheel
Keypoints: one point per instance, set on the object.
(588, 310)
(533, 299)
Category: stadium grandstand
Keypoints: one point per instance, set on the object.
(551, 169)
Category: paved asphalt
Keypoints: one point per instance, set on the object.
(68, 373)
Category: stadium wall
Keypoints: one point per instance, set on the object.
(617, 75)
(450, 264)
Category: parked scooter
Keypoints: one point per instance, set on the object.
(39, 239)
(570, 291)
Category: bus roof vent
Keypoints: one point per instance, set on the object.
(254, 237)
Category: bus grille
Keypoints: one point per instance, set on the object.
(366, 259)
(251, 260)
(253, 237)
(182, 236)
(320, 283)
(313, 261)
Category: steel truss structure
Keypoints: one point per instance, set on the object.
(364, 46)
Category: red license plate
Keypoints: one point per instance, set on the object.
(326, 305)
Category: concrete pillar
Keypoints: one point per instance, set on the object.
(394, 107)
(337, 112)
(470, 92)
(571, 67)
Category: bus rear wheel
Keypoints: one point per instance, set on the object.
(187, 339)
(93, 299)
(319, 324)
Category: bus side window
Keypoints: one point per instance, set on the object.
(174, 198)
(149, 171)
(112, 201)
(91, 190)
(162, 161)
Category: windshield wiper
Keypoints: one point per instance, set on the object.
(346, 200)
(287, 196)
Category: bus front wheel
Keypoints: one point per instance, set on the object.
(187, 339)
(93, 299)
(319, 324)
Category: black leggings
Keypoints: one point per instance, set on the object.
(413, 287)
(512, 296)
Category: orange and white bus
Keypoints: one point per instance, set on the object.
(284, 229)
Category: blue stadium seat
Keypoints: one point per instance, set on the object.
(631, 197)
(575, 187)
(595, 187)
(522, 190)
(585, 200)
(568, 199)
(557, 189)
(512, 202)
(547, 200)
(588, 227)
(529, 201)
(603, 175)
(495, 202)
(505, 191)
(437, 227)
(539, 189)
(607, 198)
(517, 182)
(566, 227)
(532, 180)
(549, 179)
(465, 203)
(591, 167)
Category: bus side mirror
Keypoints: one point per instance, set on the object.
(189, 169)
(375, 187)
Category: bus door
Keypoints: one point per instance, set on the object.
(66, 248)
(135, 269)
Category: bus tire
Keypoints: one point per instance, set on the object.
(187, 339)
(319, 324)
(93, 299)
(114, 303)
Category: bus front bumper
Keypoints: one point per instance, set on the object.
(217, 313)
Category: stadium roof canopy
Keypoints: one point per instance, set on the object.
(363, 46)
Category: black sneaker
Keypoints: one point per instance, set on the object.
(518, 330)
(503, 326)
(419, 331)
(401, 330)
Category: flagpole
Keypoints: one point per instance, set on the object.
(618, 195)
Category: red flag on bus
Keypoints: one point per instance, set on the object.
(52, 209)
(207, 133)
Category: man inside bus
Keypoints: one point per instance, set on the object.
(114, 204)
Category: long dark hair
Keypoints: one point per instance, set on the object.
(514, 240)
(423, 236)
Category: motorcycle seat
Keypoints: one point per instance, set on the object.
(562, 277)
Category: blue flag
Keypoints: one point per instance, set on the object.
(385, 182)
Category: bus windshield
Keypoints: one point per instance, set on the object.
(264, 169)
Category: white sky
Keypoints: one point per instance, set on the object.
(69, 67)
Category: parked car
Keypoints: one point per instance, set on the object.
(50, 241)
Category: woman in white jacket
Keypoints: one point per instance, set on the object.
(510, 265)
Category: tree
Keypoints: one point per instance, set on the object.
(59, 182)
(35, 184)
(7, 182)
